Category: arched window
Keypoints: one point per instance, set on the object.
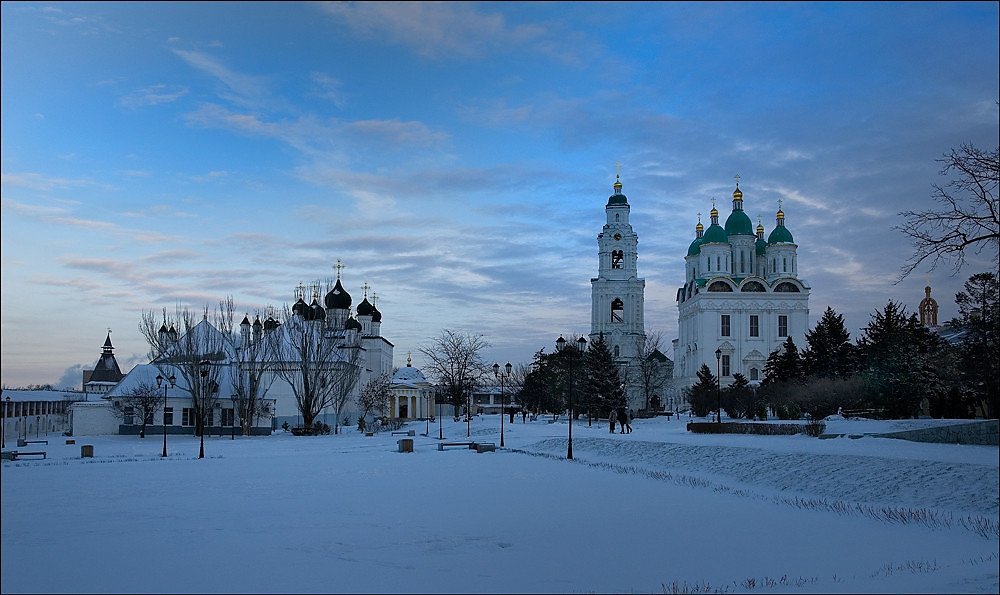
(718, 263)
(616, 216)
(617, 258)
(719, 286)
(754, 374)
(787, 287)
(742, 262)
(752, 286)
(617, 310)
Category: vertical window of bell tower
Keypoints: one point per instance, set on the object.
(617, 258)
(617, 215)
(784, 265)
(742, 262)
(617, 351)
(617, 310)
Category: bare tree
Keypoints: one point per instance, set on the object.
(321, 365)
(968, 213)
(374, 396)
(456, 360)
(250, 372)
(194, 348)
(142, 400)
(652, 369)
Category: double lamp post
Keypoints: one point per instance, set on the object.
(501, 377)
(172, 383)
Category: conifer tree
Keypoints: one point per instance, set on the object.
(783, 365)
(603, 384)
(979, 322)
(703, 395)
(830, 353)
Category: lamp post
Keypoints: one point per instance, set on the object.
(204, 401)
(581, 345)
(3, 437)
(159, 382)
(500, 377)
(718, 380)
(440, 416)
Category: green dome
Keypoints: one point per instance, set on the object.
(617, 199)
(715, 234)
(780, 234)
(738, 224)
(761, 246)
(695, 247)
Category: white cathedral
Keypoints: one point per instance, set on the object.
(742, 298)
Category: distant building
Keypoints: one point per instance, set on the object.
(106, 373)
(742, 296)
(928, 309)
(411, 395)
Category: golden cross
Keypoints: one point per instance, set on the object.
(779, 203)
(699, 216)
(737, 176)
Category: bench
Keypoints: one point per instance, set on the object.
(23, 442)
(485, 447)
(13, 455)
(405, 433)
(442, 445)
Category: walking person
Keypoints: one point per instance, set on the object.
(613, 419)
(621, 420)
(628, 421)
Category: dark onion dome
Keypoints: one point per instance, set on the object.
(780, 234)
(376, 315)
(318, 313)
(738, 224)
(338, 298)
(300, 308)
(246, 320)
(695, 247)
(715, 235)
(352, 324)
(365, 308)
(172, 333)
(270, 324)
(257, 323)
(163, 329)
(617, 199)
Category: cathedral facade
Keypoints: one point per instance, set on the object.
(741, 299)
(617, 293)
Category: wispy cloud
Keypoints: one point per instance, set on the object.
(37, 181)
(153, 95)
(238, 88)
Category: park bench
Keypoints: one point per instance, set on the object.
(485, 447)
(443, 445)
(23, 442)
(13, 455)
(405, 433)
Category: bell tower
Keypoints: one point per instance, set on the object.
(617, 291)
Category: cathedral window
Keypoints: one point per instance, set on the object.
(742, 262)
(724, 325)
(617, 310)
(784, 265)
(754, 325)
(616, 217)
(725, 365)
(617, 351)
(787, 287)
(718, 263)
(719, 286)
(754, 374)
(782, 326)
(617, 257)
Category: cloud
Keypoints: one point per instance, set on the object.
(153, 95)
(239, 88)
(329, 88)
(36, 181)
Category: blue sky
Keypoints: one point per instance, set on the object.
(457, 157)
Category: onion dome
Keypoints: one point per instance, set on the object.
(270, 324)
(338, 298)
(318, 313)
(365, 308)
(715, 234)
(738, 224)
(301, 308)
(376, 315)
(617, 199)
(352, 324)
(163, 329)
(172, 333)
(246, 320)
(699, 231)
(257, 325)
(780, 234)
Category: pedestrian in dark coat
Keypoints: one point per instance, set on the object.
(628, 421)
(613, 419)
(621, 419)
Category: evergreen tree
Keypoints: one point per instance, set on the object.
(829, 353)
(703, 395)
(783, 365)
(737, 396)
(979, 321)
(603, 383)
(898, 361)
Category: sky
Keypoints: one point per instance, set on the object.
(660, 510)
(457, 157)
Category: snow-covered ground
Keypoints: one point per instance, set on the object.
(656, 510)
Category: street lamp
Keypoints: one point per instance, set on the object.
(718, 380)
(3, 436)
(440, 415)
(204, 400)
(159, 382)
(581, 345)
(500, 377)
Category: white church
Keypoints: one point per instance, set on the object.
(742, 298)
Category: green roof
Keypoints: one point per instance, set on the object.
(761, 246)
(695, 247)
(780, 234)
(617, 199)
(715, 234)
(739, 224)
